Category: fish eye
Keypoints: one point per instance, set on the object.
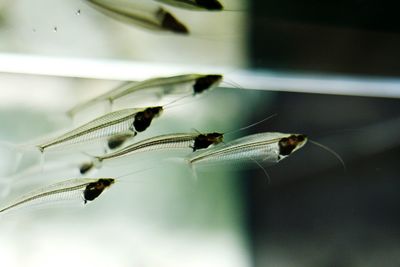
(206, 82)
(209, 4)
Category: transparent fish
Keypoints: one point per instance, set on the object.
(121, 121)
(83, 189)
(198, 5)
(195, 141)
(182, 84)
(269, 147)
(149, 17)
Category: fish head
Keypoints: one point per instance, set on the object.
(206, 82)
(170, 23)
(209, 4)
(143, 118)
(206, 140)
(103, 183)
(154, 111)
(290, 144)
(215, 138)
(93, 190)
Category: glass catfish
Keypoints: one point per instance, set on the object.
(194, 141)
(117, 122)
(80, 189)
(270, 147)
(151, 17)
(162, 86)
(197, 5)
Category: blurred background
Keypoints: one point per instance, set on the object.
(328, 70)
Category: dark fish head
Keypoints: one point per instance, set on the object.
(205, 140)
(143, 119)
(93, 190)
(206, 82)
(105, 182)
(215, 138)
(288, 145)
(210, 4)
(170, 23)
(154, 111)
(85, 167)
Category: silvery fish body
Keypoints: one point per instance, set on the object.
(269, 147)
(105, 126)
(81, 189)
(133, 12)
(161, 86)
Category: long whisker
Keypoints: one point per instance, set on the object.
(232, 83)
(181, 104)
(168, 105)
(264, 170)
(332, 152)
(133, 172)
(251, 125)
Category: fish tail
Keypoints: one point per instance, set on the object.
(97, 162)
(11, 157)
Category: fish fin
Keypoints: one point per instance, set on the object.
(193, 171)
(11, 156)
(97, 162)
(186, 162)
(109, 106)
(262, 168)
